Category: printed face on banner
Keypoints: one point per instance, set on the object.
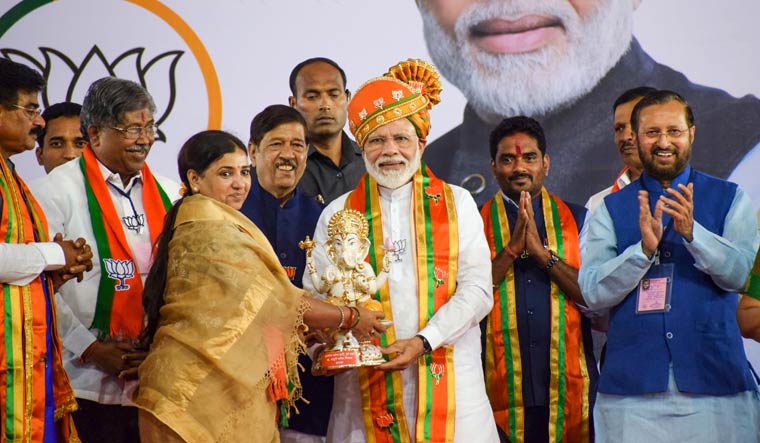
(550, 52)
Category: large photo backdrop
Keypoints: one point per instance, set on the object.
(217, 64)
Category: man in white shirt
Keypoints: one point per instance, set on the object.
(438, 289)
(109, 197)
(629, 154)
(32, 265)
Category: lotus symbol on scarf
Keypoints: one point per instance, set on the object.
(384, 421)
(436, 370)
(68, 81)
(120, 270)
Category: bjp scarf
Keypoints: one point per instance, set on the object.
(569, 378)
(119, 312)
(25, 328)
(383, 407)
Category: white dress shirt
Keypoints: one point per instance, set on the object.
(456, 323)
(62, 196)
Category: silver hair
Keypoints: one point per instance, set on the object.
(109, 98)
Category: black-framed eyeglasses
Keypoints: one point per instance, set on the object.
(31, 112)
(134, 132)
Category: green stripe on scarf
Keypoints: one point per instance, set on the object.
(8, 326)
(431, 299)
(499, 246)
(9, 374)
(101, 322)
(561, 351)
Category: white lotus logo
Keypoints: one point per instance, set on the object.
(120, 270)
(63, 74)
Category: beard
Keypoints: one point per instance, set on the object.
(665, 173)
(537, 82)
(396, 178)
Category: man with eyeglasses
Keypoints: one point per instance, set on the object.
(111, 198)
(61, 139)
(35, 395)
(438, 286)
(667, 255)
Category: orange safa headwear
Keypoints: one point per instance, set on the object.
(408, 90)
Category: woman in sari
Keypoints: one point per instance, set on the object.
(224, 323)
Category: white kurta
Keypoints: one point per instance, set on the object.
(61, 195)
(456, 323)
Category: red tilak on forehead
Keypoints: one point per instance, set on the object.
(518, 151)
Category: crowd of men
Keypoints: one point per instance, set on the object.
(657, 261)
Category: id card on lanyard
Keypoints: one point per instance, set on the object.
(654, 290)
(653, 293)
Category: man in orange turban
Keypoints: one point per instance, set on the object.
(432, 388)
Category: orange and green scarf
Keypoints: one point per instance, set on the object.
(383, 407)
(25, 329)
(569, 378)
(753, 283)
(119, 315)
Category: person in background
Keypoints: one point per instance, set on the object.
(320, 94)
(61, 139)
(285, 215)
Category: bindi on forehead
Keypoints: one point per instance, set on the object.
(518, 149)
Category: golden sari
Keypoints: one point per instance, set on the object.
(229, 330)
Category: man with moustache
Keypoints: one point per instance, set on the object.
(539, 360)
(61, 139)
(278, 147)
(629, 154)
(36, 397)
(111, 198)
(675, 368)
(334, 162)
(562, 61)
(623, 136)
(432, 388)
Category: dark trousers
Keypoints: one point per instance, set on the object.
(99, 423)
(536, 426)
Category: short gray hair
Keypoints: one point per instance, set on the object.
(109, 98)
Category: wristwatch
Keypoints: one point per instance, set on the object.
(426, 348)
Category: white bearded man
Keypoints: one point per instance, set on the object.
(432, 388)
(563, 62)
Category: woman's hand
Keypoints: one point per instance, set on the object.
(370, 324)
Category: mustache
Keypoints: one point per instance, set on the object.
(139, 148)
(518, 175)
(37, 131)
(285, 162)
